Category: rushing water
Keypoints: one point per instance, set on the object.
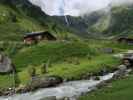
(69, 89)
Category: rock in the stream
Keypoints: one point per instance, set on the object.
(121, 71)
(54, 98)
(122, 68)
(49, 98)
(128, 60)
(66, 98)
(40, 82)
(95, 78)
(104, 71)
(21, 89)
(44, 82)
(102, 84)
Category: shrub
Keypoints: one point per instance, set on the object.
(31, 71)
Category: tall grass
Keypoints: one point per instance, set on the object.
(56, 52)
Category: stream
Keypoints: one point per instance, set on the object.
(70, 89)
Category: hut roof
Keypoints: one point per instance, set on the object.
(38, 33)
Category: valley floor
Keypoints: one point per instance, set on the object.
(71, 60)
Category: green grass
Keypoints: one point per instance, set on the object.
(55, 51)
(94, 65)
(120, 89)
(101, 43)
(74, 71)
(14, 25)
(6, 81)
(62, 57)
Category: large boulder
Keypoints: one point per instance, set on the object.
(49, 98)
(128, 60)
(44, 82)
(5, 64)
(121, 71)
(107, 50)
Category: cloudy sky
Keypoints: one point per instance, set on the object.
(74, 7)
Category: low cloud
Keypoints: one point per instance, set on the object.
(75, 7)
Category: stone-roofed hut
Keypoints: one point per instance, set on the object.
(36, 37)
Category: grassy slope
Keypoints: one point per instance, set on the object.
(117, 22)
(61, 54)
(56, 51)
(27, 21)
(121, 20)
(120, 89)
(13, 24)
(62, 57)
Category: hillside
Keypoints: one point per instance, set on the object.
(122, 20)
(116, 22)
(14, 22)
(20, 16)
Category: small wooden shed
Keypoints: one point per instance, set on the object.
(126, 40)
(36, 37)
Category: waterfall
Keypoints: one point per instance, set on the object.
(62, 10)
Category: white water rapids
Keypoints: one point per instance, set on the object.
(69, 89)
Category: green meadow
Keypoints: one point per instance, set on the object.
(70, 60)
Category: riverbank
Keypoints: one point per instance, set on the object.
(69, 60)
(52, 81)
(72, 61)
(121, 88)
(71, 90)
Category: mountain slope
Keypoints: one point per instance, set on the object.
(118, 21)
(20, 16)
(15, 22)
(122, 20)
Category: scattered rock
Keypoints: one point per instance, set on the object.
(107, 50)
(5, 64)
(128, 60)
(122, 68)
(65, 98)
(104, 70)
(49, 98)
(95, 78)
(109, 86)
(44, 82)
(21, 89)
(102, 84)
(120, 72)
